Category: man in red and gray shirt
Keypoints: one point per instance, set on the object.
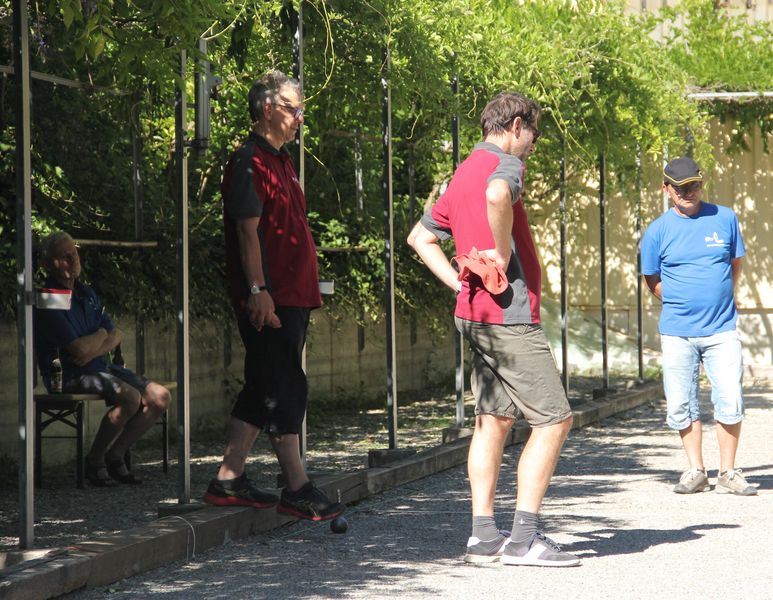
(512, 366)
(271, 263)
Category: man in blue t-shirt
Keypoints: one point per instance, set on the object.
(80, 338)
(691, 259)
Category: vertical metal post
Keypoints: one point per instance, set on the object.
(411, 220)
(139, 230)
(300, 164)
(183, 349)
(359, 192)
(603, 269)
(458, 339)
(666, 199)
(564, 305)
(389, 259)
(24, 294)
(639, 342)
(360, 199)
(298, 74)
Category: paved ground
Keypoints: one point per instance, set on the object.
(338, 442)
(611, 503)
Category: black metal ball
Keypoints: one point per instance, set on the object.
(339, 525)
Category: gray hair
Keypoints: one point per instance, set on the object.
(48, 245)
(266, 89)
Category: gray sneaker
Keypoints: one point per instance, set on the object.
(732, 482)
(479, 551)
(692, 481)
(541, 551)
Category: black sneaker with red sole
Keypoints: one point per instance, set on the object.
(238, 492)
(309, 502)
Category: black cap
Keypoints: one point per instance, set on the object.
(681, 171)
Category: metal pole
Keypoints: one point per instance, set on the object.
(24, 274)
(411, 220)
(458, 338)
(298, 74)
(300, 163)
(666, 199)
(139, 231)
(603, 271)
(389, 260)
(564, 306)
(360, 198)
(639, 343)
(183, 350)
(358, 189)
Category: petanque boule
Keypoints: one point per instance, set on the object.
(339, 525)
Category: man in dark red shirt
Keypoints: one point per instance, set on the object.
(271, 263)
(512, 366)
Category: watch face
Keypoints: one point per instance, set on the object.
(254, 290)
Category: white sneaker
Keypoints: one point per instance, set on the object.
(732, 482)
(694, 480)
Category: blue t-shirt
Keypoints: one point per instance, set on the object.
(692, 256)
(54, 330)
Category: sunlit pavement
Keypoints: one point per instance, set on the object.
(611, 503)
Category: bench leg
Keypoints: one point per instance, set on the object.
(79, 466)
(38, 474)
(165, 440)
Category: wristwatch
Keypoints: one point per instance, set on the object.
(255, 289)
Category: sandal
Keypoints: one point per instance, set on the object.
(118, 471)
(98, 475)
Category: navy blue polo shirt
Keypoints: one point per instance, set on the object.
(54, 330)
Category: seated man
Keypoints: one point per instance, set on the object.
(81, 337)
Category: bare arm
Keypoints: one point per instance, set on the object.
(735, 264)
(260, 307)
(653, 283)
(499, 210)
(88, 347)
(426, 244)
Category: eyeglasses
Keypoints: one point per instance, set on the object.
(536, 132)
(297, 111)
(688, 188)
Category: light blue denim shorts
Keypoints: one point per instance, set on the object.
(722, 361)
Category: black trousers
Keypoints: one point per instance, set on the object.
(275, 391)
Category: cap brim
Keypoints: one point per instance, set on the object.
(683, 181)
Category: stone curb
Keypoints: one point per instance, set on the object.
(101, 561)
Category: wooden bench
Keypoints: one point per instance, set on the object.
(68, 410)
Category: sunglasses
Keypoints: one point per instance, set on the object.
(688, 188)
(297, 111)
(536, 132)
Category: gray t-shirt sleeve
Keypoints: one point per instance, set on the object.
(510, 170)
(242, 200)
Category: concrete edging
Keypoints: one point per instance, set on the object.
(101, 561)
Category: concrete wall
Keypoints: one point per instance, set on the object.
(338, 368)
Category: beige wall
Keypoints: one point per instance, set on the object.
(754, 9)
(336, 366)
(743, 182)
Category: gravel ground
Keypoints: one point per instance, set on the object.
(610, 502)
(65, 515)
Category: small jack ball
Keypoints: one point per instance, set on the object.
(339, 525)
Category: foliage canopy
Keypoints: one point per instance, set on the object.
(605, 85)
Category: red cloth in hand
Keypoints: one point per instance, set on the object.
(491, 274)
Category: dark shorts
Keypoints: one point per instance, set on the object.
(275, 391)
(107, 384)
(513, 371)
